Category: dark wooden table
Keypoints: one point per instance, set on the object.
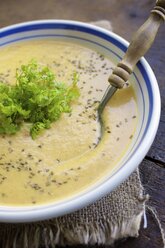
(126, 16)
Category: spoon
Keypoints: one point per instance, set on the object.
(140, 44)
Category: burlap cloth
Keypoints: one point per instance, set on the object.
(114, 217)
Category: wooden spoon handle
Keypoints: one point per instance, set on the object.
(141, 42)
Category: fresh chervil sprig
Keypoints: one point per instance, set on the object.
(36, 98)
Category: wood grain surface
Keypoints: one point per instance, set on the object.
(126, 16)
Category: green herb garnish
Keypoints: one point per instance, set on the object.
(36, 98)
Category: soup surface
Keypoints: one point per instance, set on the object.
(64, 160)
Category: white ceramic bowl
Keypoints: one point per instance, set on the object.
(148, 100)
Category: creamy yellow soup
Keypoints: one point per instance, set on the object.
(64, 160)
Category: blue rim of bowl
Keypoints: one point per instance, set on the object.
(118, 42)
